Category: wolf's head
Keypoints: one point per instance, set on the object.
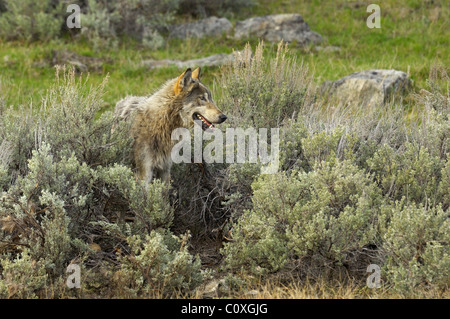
(197, 102)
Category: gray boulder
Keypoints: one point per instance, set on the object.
(81, 63)
(211, 26)
(367, 87)
(277, 27)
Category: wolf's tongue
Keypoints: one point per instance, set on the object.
(211, 126)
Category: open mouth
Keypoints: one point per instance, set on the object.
(205, 123)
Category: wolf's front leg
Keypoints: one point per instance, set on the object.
(148, 177)
(165, 177)
(147, 173)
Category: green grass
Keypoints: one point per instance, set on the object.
(25, 72)
(414, 35)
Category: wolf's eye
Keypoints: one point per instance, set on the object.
(203, 98)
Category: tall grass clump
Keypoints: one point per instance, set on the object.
(259, 91)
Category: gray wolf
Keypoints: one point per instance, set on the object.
(179, 103)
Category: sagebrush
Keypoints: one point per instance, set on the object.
(69, 194)
(355, 187)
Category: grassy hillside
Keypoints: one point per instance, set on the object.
(413, 36)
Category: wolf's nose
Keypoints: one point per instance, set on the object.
(222, 118)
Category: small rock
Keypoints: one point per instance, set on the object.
(211, 26)
(80, 62)
(330, 48)
(214, 289)
(251, 294)
(367, 87)
(277, 27)
(80, 67)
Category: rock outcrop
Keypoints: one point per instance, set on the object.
(277, 27)
(211, 26)
(272, 28)
(367, 87)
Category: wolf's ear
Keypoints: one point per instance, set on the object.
(196, 74)
(183, 81)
